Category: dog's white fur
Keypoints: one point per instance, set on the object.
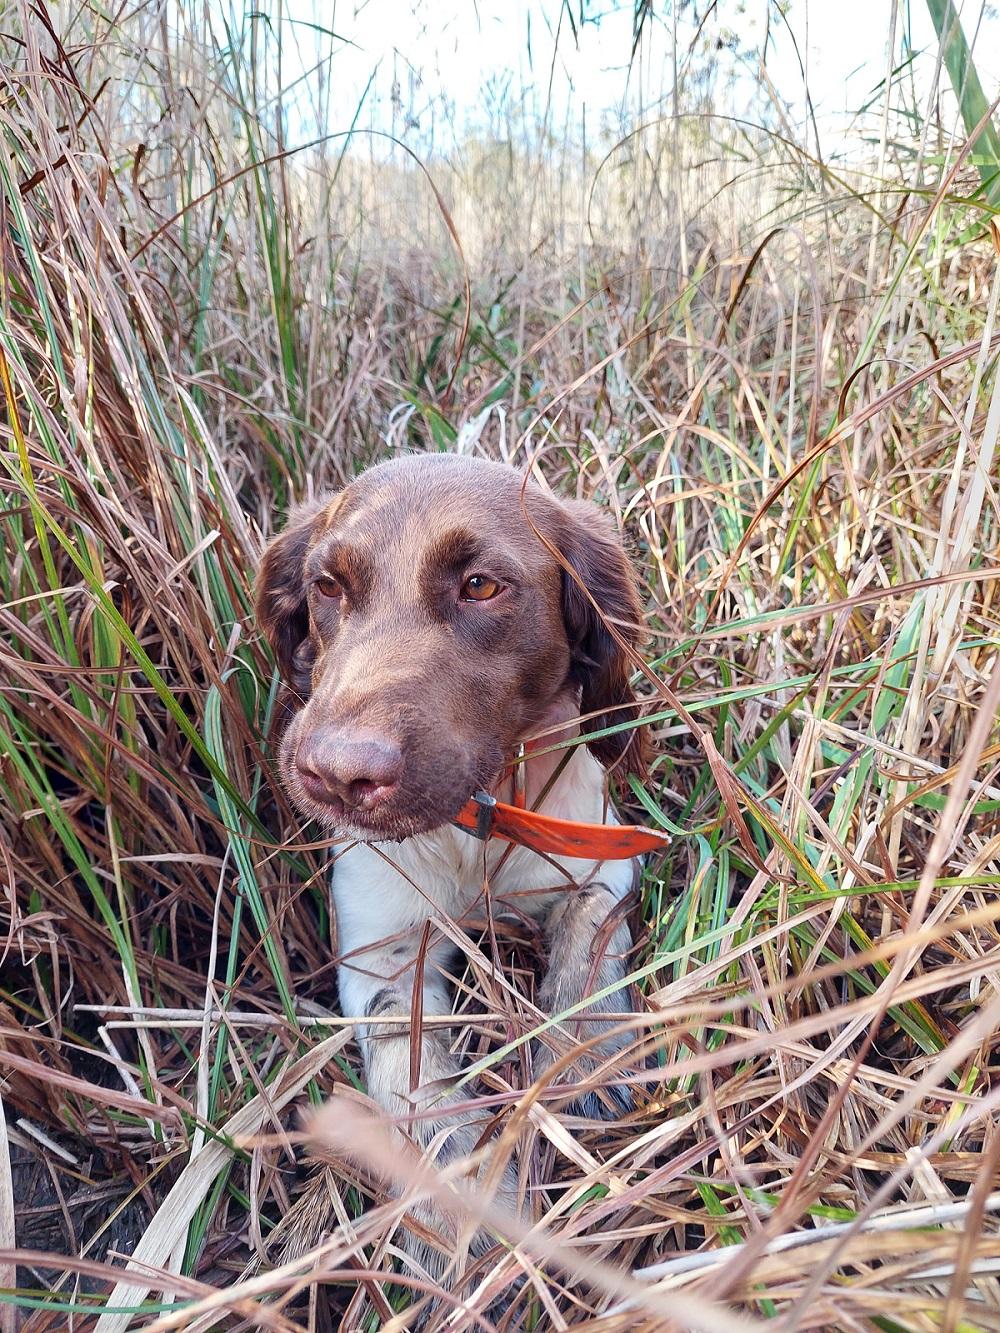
(385, 894)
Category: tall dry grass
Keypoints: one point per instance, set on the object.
(782, 377)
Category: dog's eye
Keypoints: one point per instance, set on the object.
(479, 588)
(327, 587)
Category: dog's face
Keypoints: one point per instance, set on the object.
(424, 626)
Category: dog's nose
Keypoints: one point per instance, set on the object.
(360, 770)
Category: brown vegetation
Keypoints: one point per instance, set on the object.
(794, 416)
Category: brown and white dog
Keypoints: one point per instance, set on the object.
(426, 628)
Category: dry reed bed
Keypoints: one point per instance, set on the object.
(800, 442)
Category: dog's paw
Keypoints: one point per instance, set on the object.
(606, 1103)
(610, 1101)
(452, 1261)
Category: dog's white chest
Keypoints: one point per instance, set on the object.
(447, 874)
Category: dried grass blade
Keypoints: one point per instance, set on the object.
(169, 1226)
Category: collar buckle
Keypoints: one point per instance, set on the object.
(486, 811)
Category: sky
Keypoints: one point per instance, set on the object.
(432, 71)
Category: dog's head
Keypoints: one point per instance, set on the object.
(423, 626)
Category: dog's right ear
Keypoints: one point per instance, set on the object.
(282, 608)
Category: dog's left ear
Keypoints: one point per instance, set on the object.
(593, 549)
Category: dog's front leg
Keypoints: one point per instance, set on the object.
(376, 980)
(589, 942)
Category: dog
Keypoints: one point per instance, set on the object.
(427, 620)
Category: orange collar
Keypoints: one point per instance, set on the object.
(486, 817)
